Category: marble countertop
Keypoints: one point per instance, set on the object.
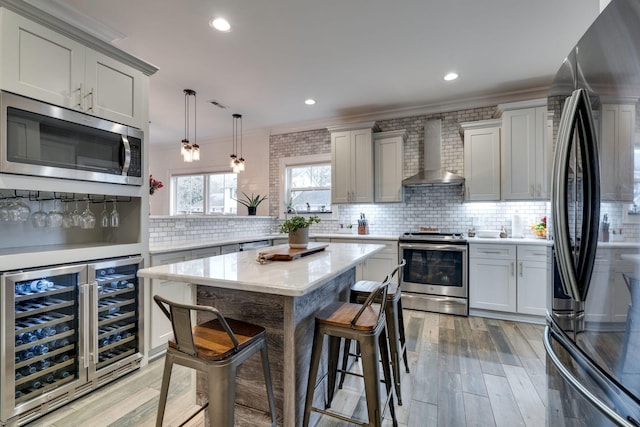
(241, 271)
(204, 243)
(511, 241)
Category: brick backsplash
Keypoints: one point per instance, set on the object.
(438, 206)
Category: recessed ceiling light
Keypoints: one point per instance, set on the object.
(220, 24)
(451, 76)
(310, 101)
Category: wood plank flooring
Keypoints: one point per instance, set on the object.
(464, 372)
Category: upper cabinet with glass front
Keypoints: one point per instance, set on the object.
(41, 63)
(617, 128)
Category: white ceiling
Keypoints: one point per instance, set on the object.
(354, 57)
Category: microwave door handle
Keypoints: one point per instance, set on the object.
(559, 207)
(127, 155)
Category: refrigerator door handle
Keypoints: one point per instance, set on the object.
(576, 116)
(577, 385)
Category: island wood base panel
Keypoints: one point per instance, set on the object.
(289, 322)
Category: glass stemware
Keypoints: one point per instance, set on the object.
(76, 217)
(88, 218)
(67, 220)
(54, 219)
(104, 218)
(39, 218)
(114, 216)
(19, 211)
(4, 211)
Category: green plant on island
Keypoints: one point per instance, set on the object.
(251, 201)
(296, 222)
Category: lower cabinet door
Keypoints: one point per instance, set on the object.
(532, 287)
(492, 284)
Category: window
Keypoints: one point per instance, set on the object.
(308, 186)
(212, 193)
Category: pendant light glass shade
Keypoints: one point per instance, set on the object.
(190, 152)
(237, 161)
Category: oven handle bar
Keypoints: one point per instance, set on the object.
(433, 247)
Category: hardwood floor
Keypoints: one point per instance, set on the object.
(464, 371)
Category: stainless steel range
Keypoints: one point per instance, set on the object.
(435, 276)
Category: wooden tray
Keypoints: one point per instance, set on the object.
(285, 253)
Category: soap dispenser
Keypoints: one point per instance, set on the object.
(503, 232)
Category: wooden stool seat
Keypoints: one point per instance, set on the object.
(341, 314)
(213, 342)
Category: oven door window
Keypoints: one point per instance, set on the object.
(434, 267)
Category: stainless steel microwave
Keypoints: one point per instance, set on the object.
(41, 139)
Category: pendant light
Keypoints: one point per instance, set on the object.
(237, 162)
(190, 152)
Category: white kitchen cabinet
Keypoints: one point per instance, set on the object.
(481, 160)
(352, 163)
(617, 128)
(508, 278)
(160, 327)
(532, 279)
(492, 277)
(43, 64)
(525, 154)
(389, 159)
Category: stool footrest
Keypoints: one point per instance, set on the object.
(338, 416)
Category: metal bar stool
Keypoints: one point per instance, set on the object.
(364, 323)
(216, 347)
(395, 324)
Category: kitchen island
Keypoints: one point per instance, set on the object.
(282, 296)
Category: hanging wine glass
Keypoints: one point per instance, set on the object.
(88, 218)
(55, 217)
(76, 217)
(18, 211)
(67, 220)
(104, 218)
(114, 216)
(4, 211)
(39, 218)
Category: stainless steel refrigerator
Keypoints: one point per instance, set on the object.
(66, 330)
(592, 336)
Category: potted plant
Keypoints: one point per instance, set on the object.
(251, 202)
(298, 229)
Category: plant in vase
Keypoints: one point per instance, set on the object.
(298, 229)
(251, 202)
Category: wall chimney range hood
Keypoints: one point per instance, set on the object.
(432, 173)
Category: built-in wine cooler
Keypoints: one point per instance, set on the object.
(67, 330)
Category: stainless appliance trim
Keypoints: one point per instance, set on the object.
(575, 383)
(438, 298)
(8, 99)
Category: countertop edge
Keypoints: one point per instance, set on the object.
(253, 287)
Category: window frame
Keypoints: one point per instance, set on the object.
(286, 162)
(205, 190)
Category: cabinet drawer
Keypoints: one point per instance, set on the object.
(492, 251)
(532, 253)
(170, 258)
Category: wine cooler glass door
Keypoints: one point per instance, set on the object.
(41, 335)
(116, 321)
